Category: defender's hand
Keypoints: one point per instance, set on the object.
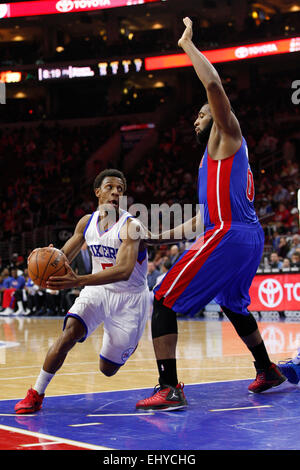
(188, 32)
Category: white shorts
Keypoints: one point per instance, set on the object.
(123, 315)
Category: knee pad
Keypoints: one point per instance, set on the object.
(244, 325)
(164, 320)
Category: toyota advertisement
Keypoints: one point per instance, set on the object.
(14, 10)
(278, 292)
(228, 54)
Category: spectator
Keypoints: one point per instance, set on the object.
(30, 295)
(295, 260)
(174, 254)
(283, 247)
(294, 246)
(14, 282)
(6, 278)
(275, 261)
(281, 194)
(286, 264)
(282, 218)
(165, 268)
(17, 262)
(265, 208)
(82, 264)
(152, 275)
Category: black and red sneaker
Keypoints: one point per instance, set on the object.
(164, 398)
(266, 379)
(31, 403)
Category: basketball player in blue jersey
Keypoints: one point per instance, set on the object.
(116, 294)
(222, 262)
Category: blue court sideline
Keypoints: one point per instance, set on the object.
(221, 415)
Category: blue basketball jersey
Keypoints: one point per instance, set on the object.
(226, 189)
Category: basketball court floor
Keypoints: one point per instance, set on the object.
(84, 410)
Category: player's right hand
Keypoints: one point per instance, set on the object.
(188, 32)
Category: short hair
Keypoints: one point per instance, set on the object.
(109, 172)
(168, 264)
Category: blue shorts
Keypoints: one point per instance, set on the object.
(220, 265)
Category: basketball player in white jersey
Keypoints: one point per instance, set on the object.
(115, 294)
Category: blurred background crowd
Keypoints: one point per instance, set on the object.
(55, 136)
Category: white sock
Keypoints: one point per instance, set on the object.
(43, 381)
(20, 305)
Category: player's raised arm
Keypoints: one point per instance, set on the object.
(218, 101)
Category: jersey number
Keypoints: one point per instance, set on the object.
(106, 265)
(250, 186)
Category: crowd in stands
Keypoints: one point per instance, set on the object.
(168, 174)
(36, 163)
(43, 160)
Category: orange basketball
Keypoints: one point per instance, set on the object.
(46, 262)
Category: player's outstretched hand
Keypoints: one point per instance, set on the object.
(69, 280)
(188, 32)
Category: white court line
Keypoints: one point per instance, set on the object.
(15, 414)
(244, 408)
(42, 444)
(53, 438)
(123, 414)
(84, 424)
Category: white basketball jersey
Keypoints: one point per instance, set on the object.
(104, 247)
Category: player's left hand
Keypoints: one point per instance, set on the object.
(188, 32)
(69, 280)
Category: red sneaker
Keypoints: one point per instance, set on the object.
(165, 398)
(266, 378)
(31, 403)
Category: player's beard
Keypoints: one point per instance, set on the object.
(203, 136)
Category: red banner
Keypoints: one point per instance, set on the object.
(277, 292)
(228, 54)
(50, 7)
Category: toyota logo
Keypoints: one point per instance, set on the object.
(3, 10)
(241, 52)
(64, 6)
(270, 293)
